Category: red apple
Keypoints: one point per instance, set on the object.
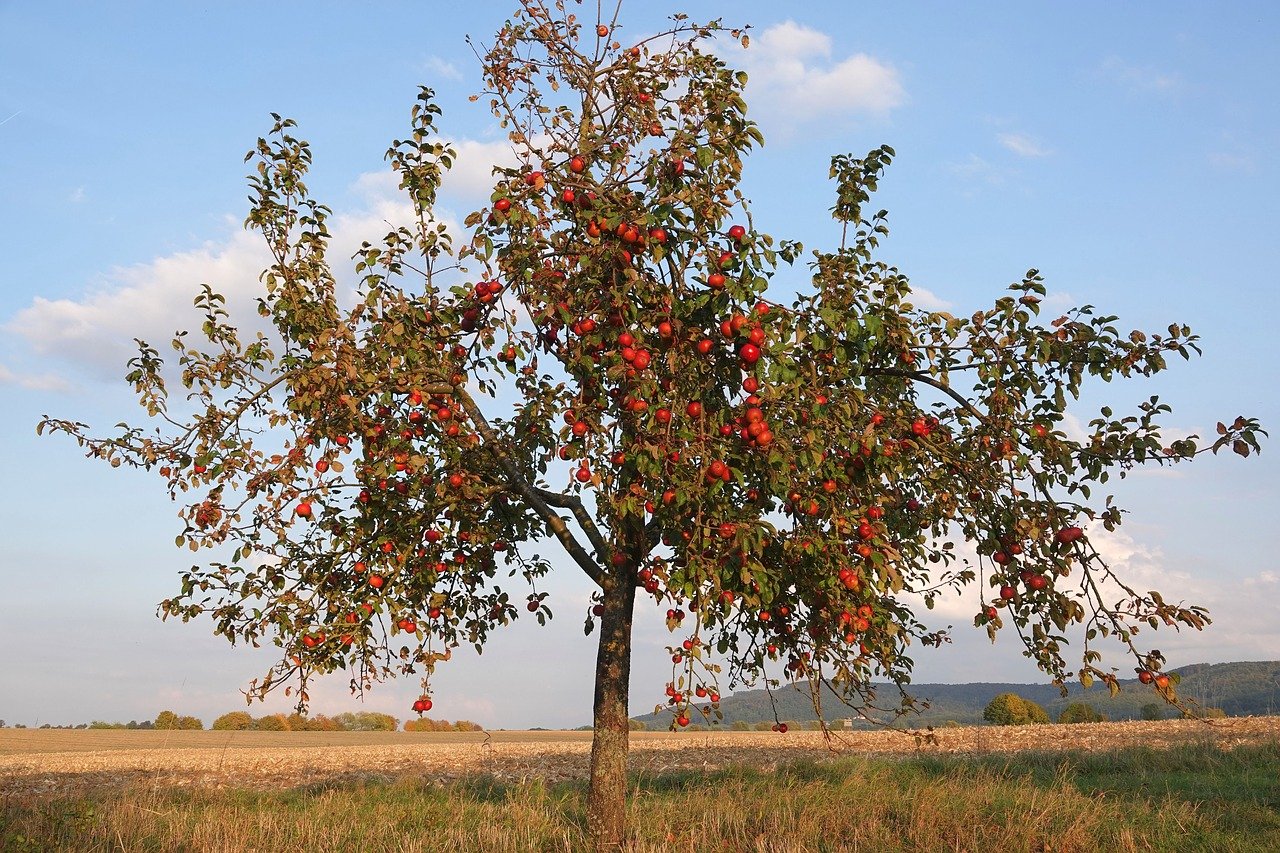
(1067, 535)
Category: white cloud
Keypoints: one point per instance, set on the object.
(472, 175)
(34, 382)
(1139, 78)
(1023, 145)
(1266, 580)
(791, 74)
(1243, 625)
(77, 195)
(1059, 300)
(149, 301)
(928, 300)
(472, 178)
(94, 332)
(442, 67)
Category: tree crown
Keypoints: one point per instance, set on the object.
(603, 359)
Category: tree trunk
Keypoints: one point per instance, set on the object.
(607, 800)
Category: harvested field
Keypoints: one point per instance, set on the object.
(47, 761)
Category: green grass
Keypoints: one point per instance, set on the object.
(1185, 799)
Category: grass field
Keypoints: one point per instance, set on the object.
(1205, 789)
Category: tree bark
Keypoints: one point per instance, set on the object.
(607, 800)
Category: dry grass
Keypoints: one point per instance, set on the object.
(1126, 801)
(1203, 788)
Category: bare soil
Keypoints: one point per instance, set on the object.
(44, 761)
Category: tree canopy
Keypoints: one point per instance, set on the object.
(166, 720)
(1010, 709)
(1081, 712)
(233, 721)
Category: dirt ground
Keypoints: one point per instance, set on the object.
(44, 761)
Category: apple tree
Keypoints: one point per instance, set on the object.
(604, 359)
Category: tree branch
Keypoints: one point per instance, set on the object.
(527, 491)
(930, 381)
(574, 505)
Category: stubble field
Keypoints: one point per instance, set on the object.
(1180, 784)
(42, 761)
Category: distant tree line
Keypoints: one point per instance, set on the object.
(359, 721)
(1006, 709)
(426, 724)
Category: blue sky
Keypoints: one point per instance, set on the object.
(1125, 150)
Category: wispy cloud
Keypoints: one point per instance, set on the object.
(33, 382)
(975, 169)
(792, 74)
(1233, 161)
(1023, 145)
(1139, 78)
(441, 67)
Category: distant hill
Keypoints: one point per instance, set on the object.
(1239, 689)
